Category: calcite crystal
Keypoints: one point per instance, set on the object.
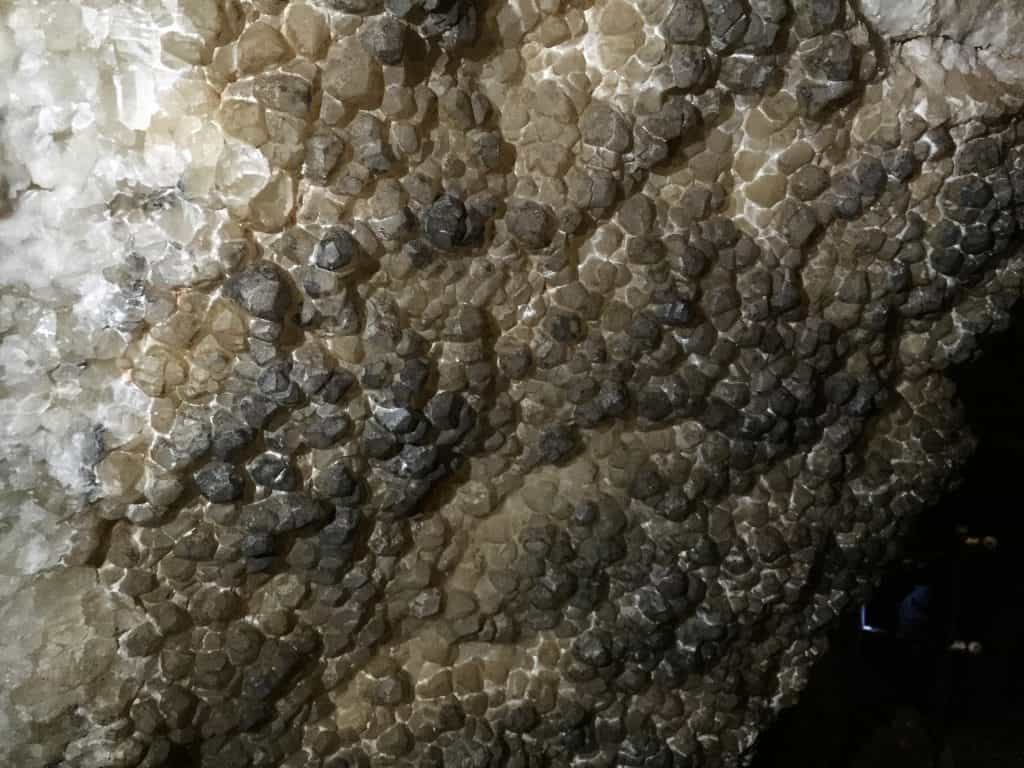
(466, 383)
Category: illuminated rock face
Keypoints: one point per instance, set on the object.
(474, 384)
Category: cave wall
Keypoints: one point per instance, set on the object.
(475, 384)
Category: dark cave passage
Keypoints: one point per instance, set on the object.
(876, 701)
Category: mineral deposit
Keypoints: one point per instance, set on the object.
(475, 383)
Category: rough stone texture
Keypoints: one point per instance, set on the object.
(466, 384)
(992, 25)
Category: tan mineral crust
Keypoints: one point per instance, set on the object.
(475, 383)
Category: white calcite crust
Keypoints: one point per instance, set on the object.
(995, 26)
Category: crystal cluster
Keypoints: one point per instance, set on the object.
(464, 383)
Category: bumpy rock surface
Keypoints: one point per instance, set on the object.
(469, 384)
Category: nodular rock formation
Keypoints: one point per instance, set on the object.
(475, 383)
